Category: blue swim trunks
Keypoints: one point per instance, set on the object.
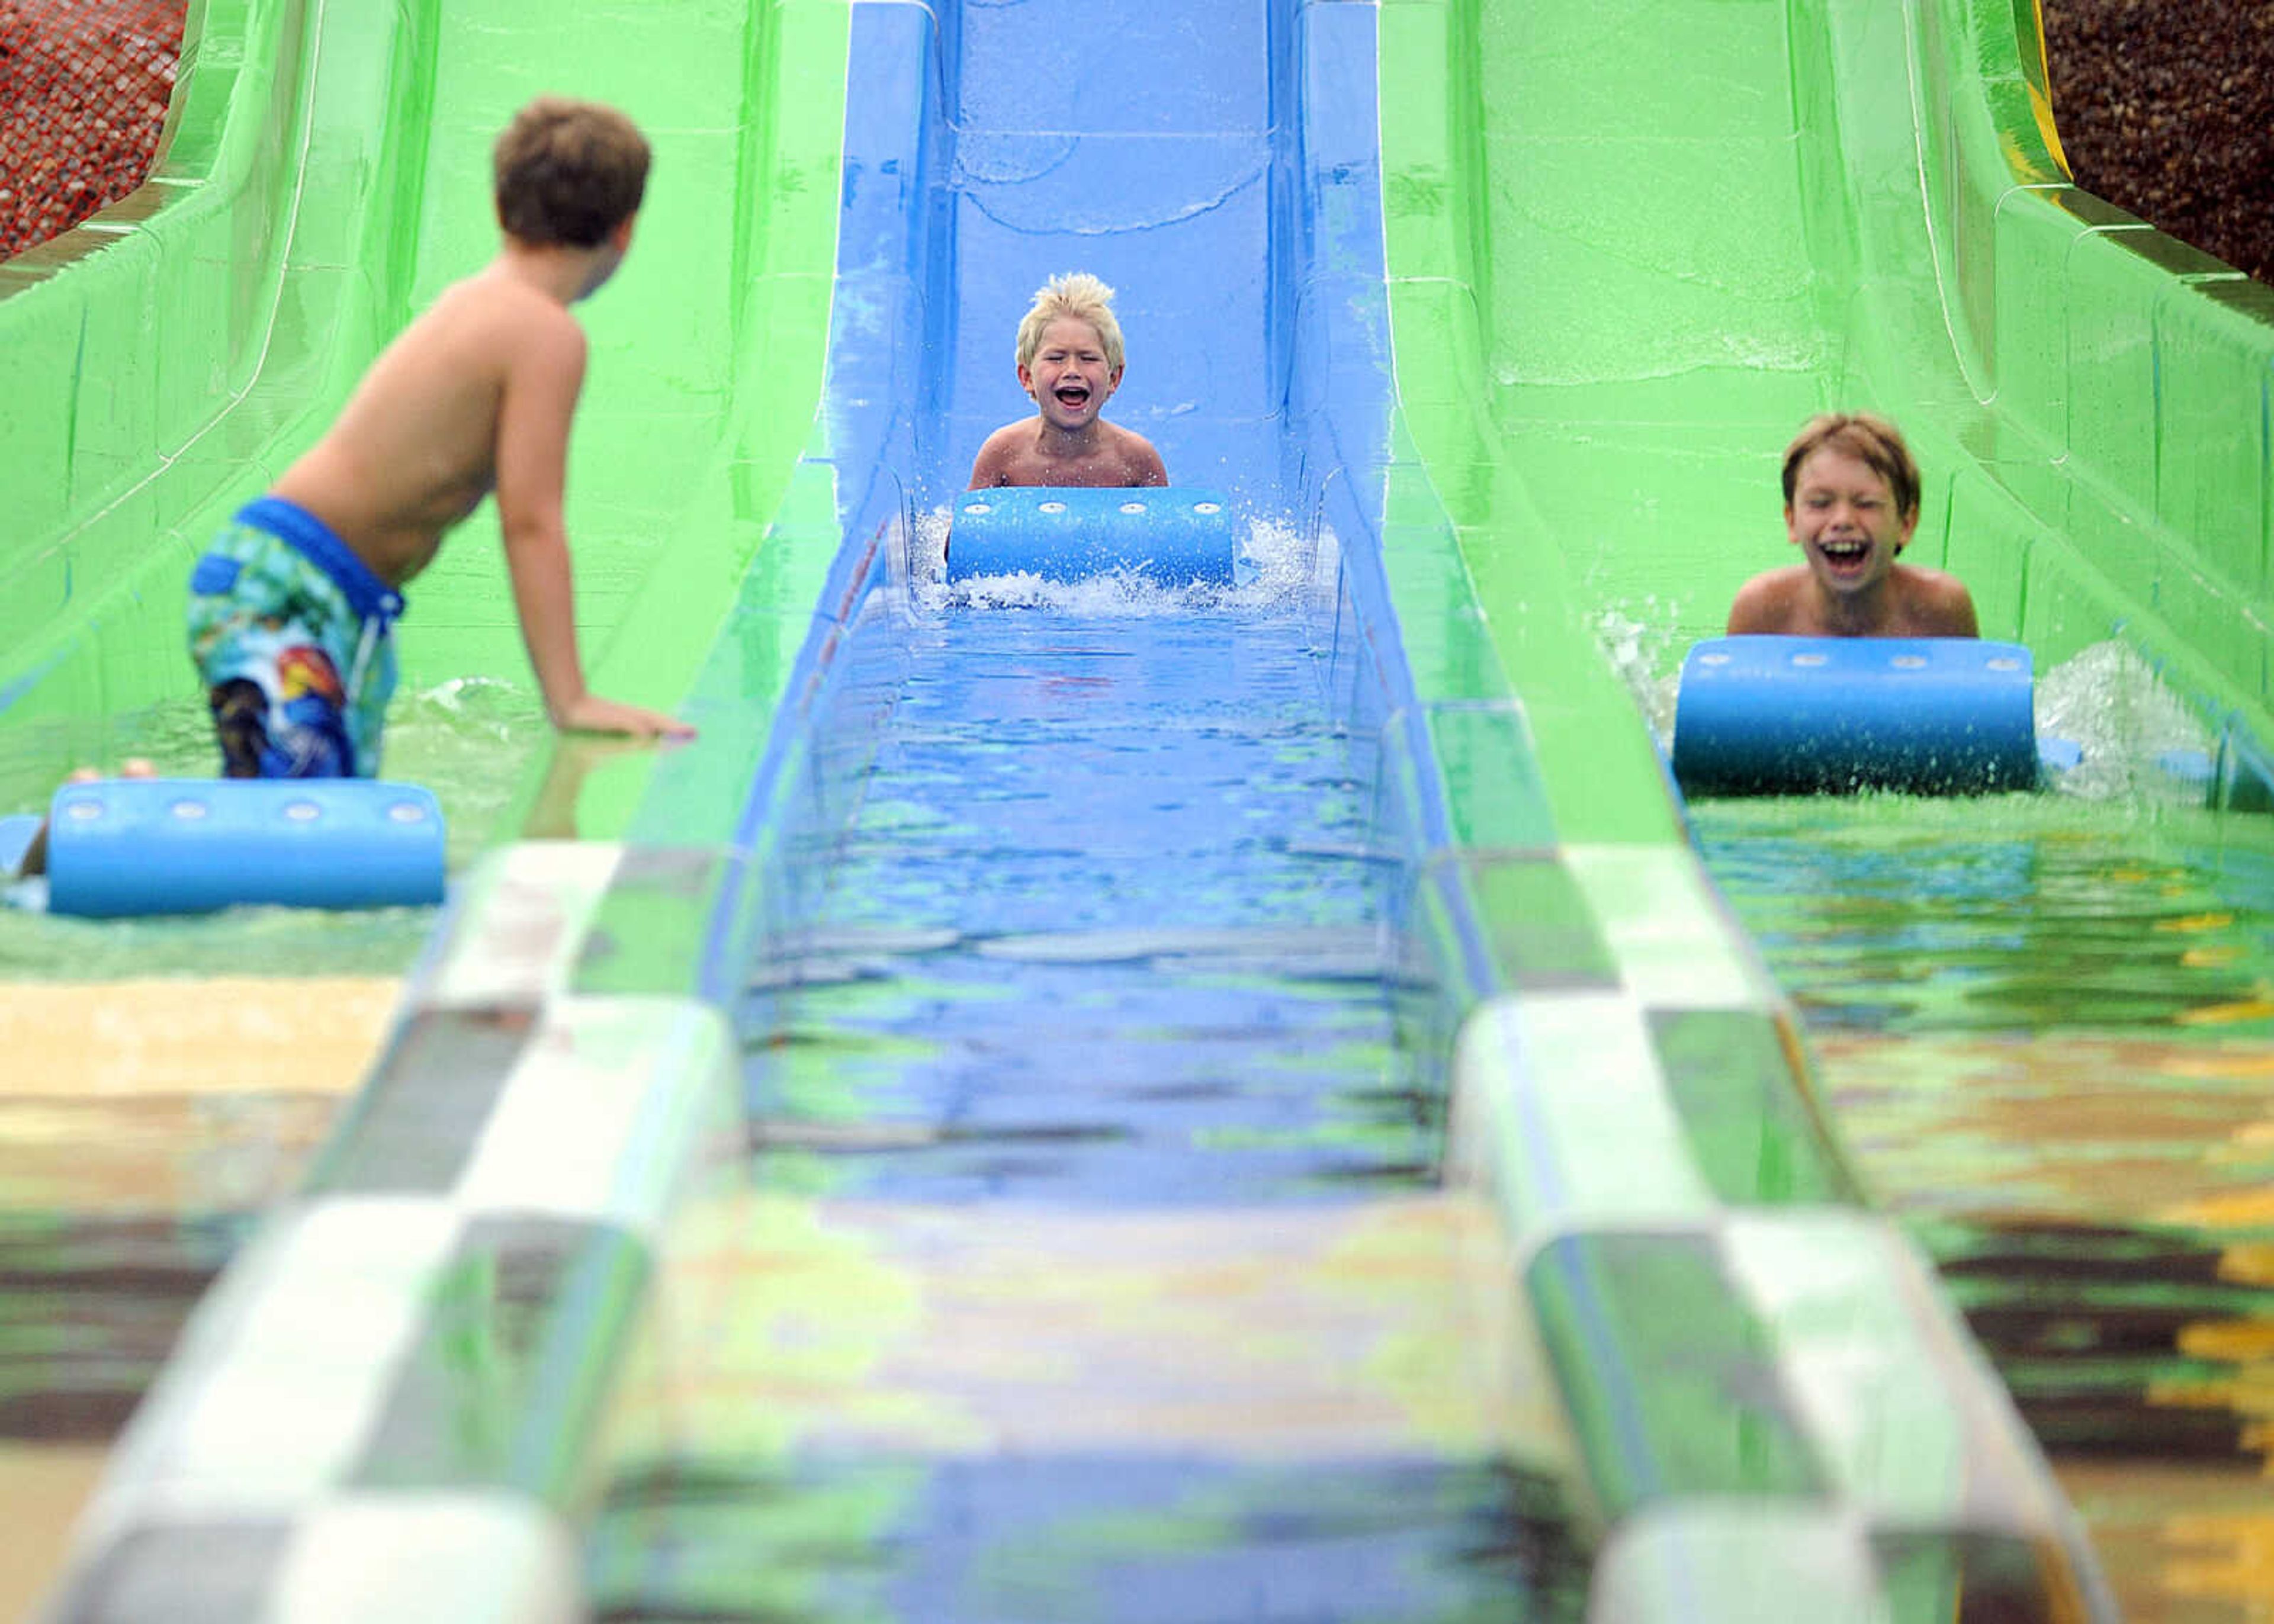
(293, 636)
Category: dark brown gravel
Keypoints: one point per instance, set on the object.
(2166, 109)
(83, 91)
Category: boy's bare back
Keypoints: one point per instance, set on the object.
(478, 395)
(475, 395)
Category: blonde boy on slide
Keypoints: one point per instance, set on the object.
(1070, 363)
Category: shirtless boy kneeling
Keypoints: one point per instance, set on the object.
(292, 605)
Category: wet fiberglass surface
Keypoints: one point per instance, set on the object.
(1085, 1151)
(2045, 1023)
(1087, 1257)
(1105, 924)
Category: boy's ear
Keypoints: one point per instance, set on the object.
(620, 238)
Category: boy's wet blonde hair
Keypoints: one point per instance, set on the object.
(1080, 295)
(1867, 437)
(567, 172)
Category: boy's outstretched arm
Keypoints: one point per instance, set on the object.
(540, 391)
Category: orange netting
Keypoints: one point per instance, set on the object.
(83, 89)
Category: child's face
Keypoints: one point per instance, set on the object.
(1843, 517)
(1068, 377)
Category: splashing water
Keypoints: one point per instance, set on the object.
(1646, 652)
(2139, 741)
(1277, 569)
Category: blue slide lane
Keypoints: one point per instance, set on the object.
(1075, 904)
(1145, 806)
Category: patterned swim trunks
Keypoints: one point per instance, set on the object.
(292, 634)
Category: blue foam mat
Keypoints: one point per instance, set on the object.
(1175, 535)
(126, 847)
(1763, 715)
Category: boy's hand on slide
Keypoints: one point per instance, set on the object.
(593, 714)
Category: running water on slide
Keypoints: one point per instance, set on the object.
(1093, 1258)
(1075, 1231)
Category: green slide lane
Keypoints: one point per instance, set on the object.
(1634, 245)
(326, 174)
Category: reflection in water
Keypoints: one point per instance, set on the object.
(1147, 955)
(163, 1081)
(93, 1304)
(1095, 1266)
(1011, 1410)
(1117, 1539)
(2018, 914)
(2046, 1023)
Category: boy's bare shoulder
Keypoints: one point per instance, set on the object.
(997, 461)
(1769, 603)
(1936, 603)
(495, 319)
(1008, 438)
(1140, 463)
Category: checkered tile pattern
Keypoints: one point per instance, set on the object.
(378, 1412)
(1771, 1395)
(1678, 1208)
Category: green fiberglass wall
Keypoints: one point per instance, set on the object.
(1633, 246)
(325, 174)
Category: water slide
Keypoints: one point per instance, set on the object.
(1092, 1102)
(2040, 1022)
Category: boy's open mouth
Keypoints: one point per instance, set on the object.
(1845, 554)
(1073, 395)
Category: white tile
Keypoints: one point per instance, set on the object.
(1888, 1408)
(513, 936)
(1734, 1561)
(1558, 1099)
(441, 1557)
(1675, 945)
(610, 1099)
(284, 1366)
